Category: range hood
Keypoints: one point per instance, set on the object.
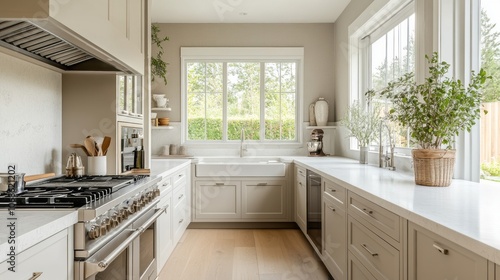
(55, 46)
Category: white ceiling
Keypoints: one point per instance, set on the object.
(247, 11)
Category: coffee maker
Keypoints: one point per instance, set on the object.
(315, 146)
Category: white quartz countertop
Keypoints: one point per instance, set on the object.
(466, 213)
(165, 167)
(32, 227)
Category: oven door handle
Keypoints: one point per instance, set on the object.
(92, 268)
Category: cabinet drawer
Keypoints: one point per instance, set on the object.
(179, 177)
(381, 218)
(179, 196)
(334, 190)
(434, 257)
(357, 271)
(378, 256)
(165, 185)
(300, 173)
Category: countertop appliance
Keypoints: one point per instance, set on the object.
(315, 146)
(116, 219)
(314, 228)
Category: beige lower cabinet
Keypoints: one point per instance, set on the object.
(334, 238)
(217, 200)
(300, 198)
(264, 199)
(357, 271)
(50, 259)
(497, 272)
(434, 257)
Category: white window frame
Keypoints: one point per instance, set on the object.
(242, 54)
(360, 39)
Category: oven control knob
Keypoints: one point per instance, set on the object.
(107, 224)
(124, 213)
(94, 232)
(103, 229)
(156, 192)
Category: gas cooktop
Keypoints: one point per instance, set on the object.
(65, 192)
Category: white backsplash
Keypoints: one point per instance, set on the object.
(159, 138)
(30, 116)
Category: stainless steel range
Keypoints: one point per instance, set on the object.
(114, 236)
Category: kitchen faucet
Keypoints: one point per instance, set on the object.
(386, 160)
(242, 137)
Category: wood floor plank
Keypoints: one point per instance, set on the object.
(245, 264)
(243, 254)
(270, 256)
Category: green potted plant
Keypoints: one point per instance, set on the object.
(435, 112)
(363, 124)
(158, 66)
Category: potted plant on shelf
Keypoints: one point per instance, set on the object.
(363, 124)
(435, 112)
(158, 66)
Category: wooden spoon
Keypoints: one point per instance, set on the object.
(90, 145)
(76, 146)
(105, 144)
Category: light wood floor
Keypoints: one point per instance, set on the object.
(265, 254)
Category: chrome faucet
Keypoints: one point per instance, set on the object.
(242, 137)
(386, 160)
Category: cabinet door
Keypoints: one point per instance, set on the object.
(300, 199)
(264, 200)
(433, 257)
(335, 239)
(217, 200)
(497, 272)
(357, 271)
(164, 232)
(49, 257)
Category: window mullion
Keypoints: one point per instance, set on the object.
(224, 101)
(262, 87)
(206, 93)
(280, 100)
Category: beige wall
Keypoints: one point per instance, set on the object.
(317, 40)
(30, 116)
(341, 71)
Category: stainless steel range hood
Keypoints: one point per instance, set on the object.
(32, 39)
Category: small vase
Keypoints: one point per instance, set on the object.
(321, 111)
(312, 117)
(363, 155)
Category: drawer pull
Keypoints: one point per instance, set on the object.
(332, 190)
(440, 249)
(166, 184)
(180, 196)
(35, 275)
(219, 184)
(367, 211)
(180, 175)
(368, 250)
(181, 220)
(261, 184)
(300, 184)
(331, 208)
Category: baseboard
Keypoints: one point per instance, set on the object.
(243, 225)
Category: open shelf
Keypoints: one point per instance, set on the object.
(162, 127)
(321, 127)
(161, 109)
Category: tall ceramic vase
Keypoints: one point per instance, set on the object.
(321, 111)
(363, 155)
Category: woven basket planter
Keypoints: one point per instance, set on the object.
(433, 167)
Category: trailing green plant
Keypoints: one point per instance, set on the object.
(438, 109)
(158, 66)
(362, 123)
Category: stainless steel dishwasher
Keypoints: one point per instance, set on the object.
(314, 209)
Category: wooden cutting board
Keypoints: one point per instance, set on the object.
(30, 178)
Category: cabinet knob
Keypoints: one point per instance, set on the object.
(333, 190)
(35, 275)
(368, 250)
(440, 249)
(368, 211)
(331, 208)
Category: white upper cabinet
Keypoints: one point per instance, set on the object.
(115, 26)
(111, 30)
